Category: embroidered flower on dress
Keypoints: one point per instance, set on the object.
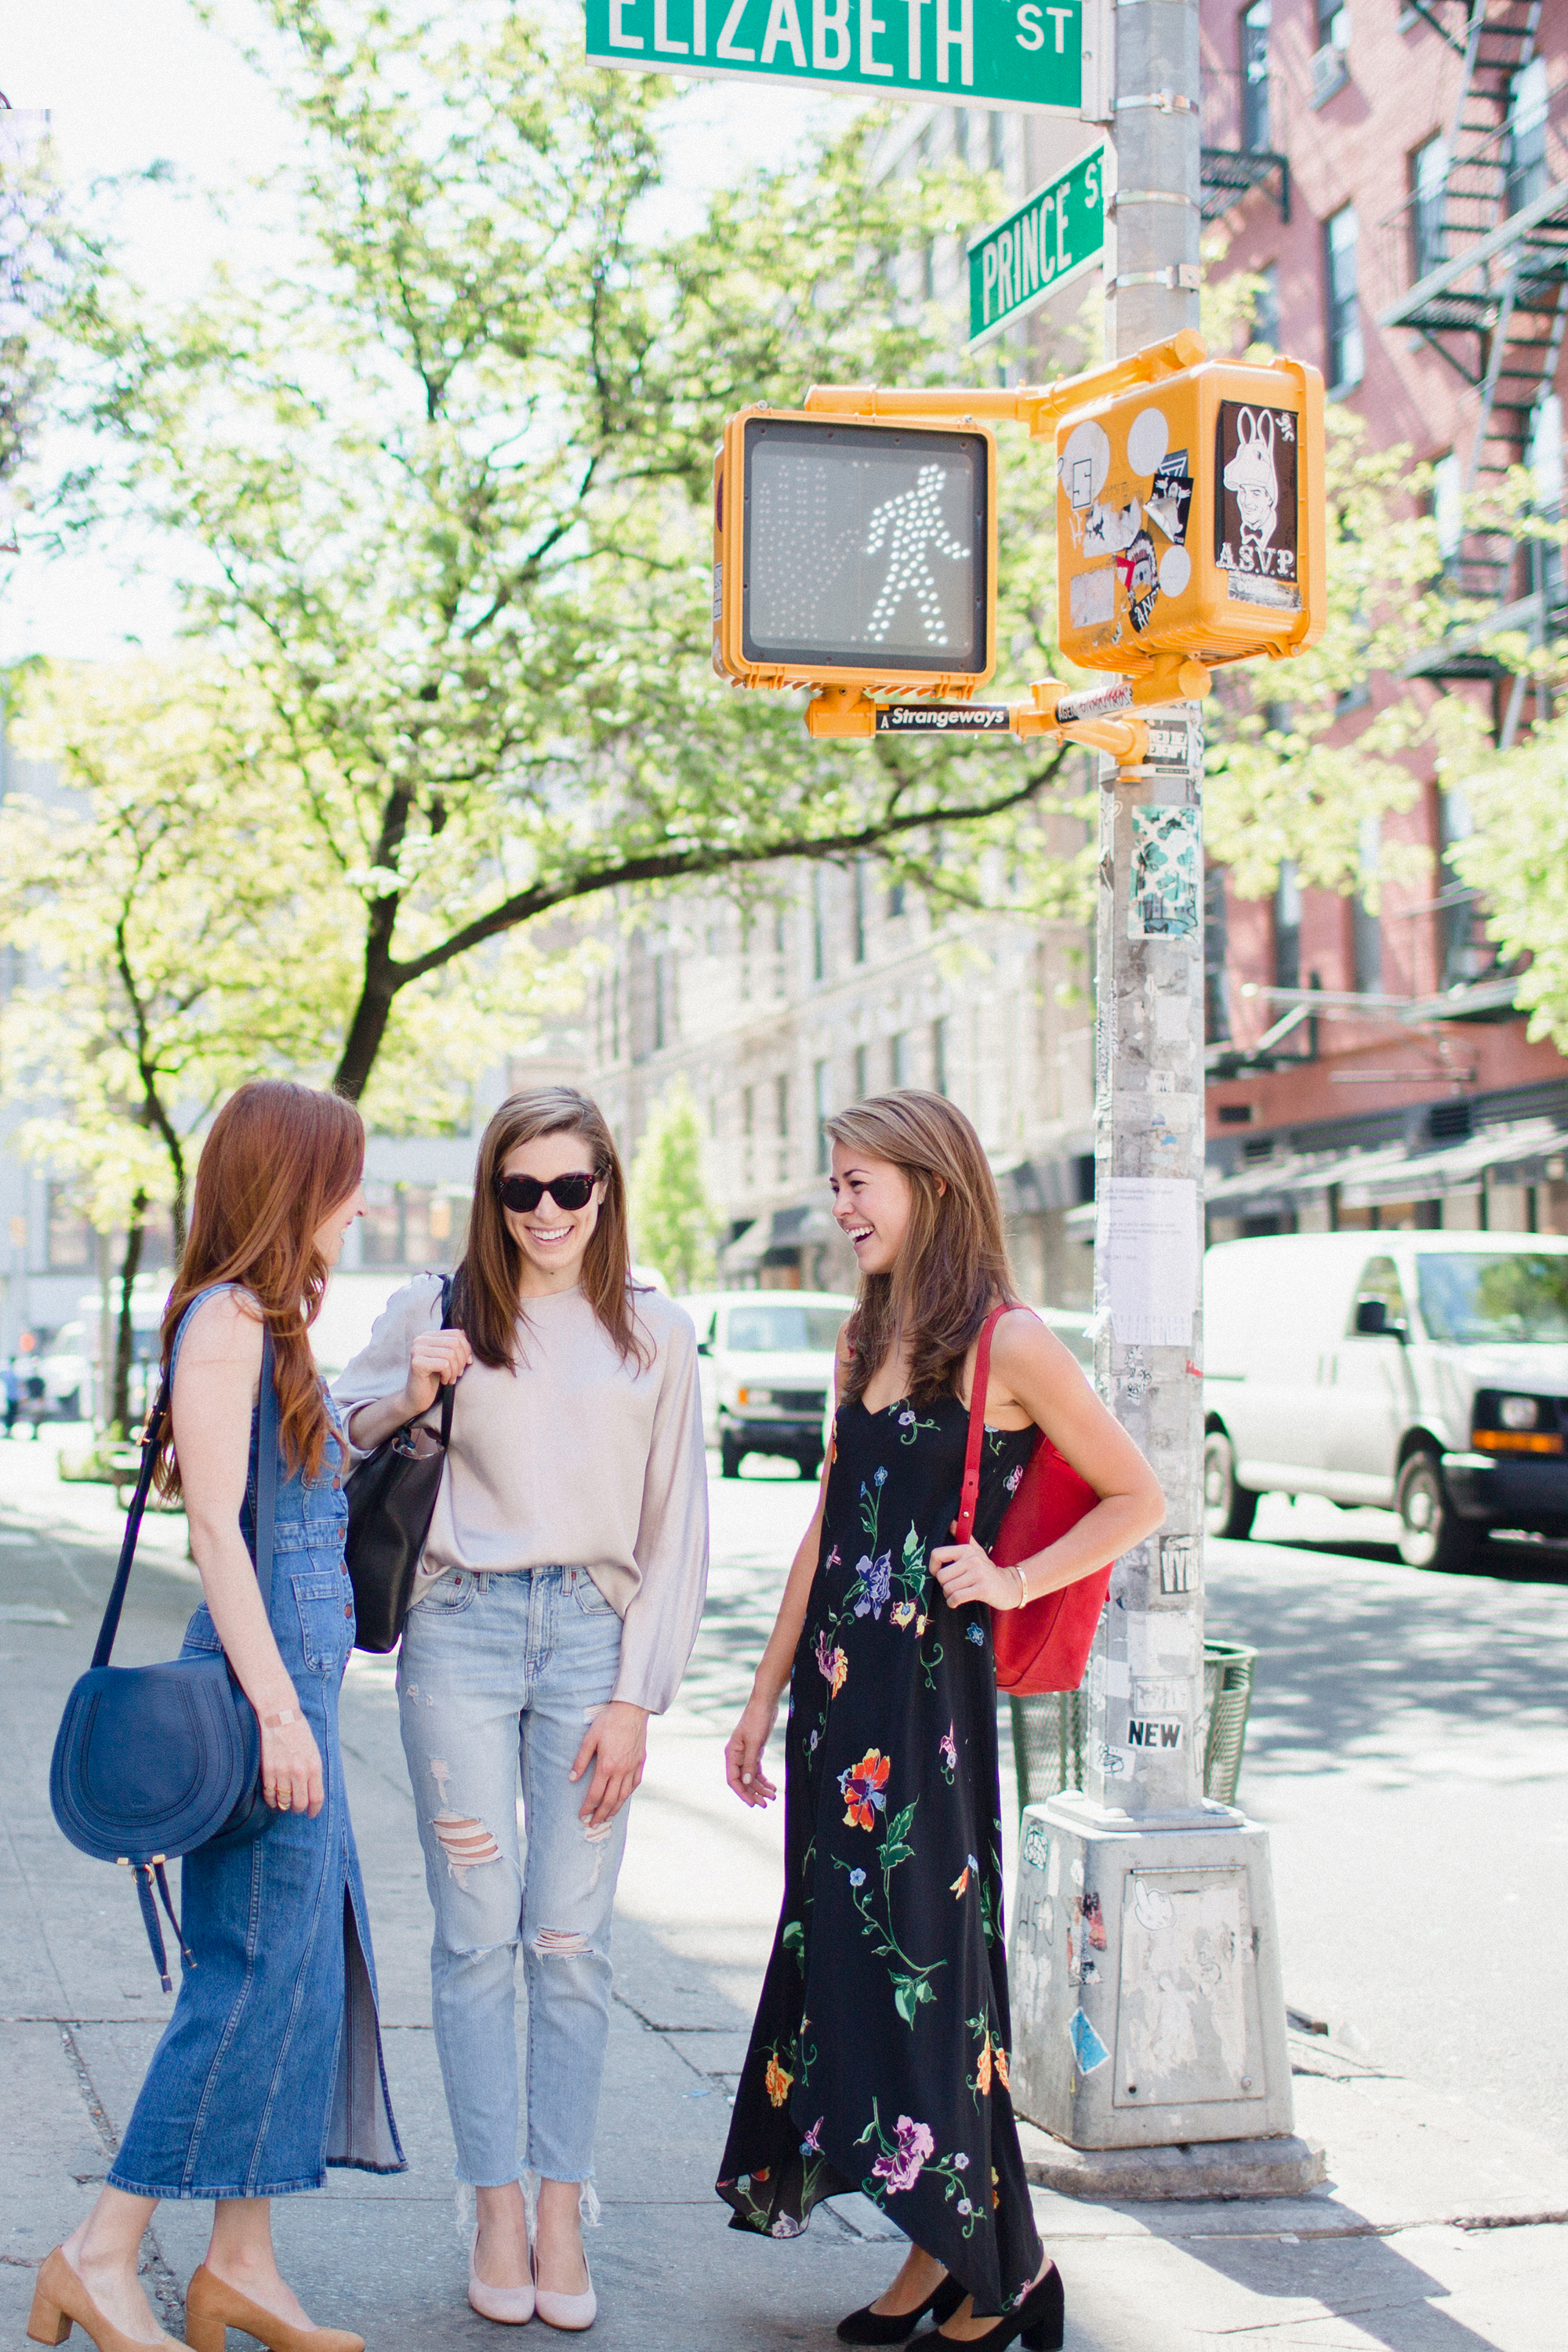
(881, 1476)
(960, 1883)
(901, 2168)
(904, 1614)
(947, 1749)
(981, 2072)
(857, 1878)
(812, 2144)
(974, 1634)
(778, 2082)
(880, 1582)
(1001, 2057)
(1014, 1479)
(864, 1788)
(961, 2162)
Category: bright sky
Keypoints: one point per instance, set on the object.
(127, 83)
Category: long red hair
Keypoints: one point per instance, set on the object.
(277, 1159)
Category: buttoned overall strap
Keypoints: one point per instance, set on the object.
(266, 1497)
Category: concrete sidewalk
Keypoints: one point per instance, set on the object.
(1433, 2230)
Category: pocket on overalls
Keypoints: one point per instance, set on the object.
(326, 1618)
(201, 1635)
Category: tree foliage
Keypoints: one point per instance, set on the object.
(673, 1221)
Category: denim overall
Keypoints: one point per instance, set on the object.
(270, 2067)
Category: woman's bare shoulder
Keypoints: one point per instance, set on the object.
(225, 1327)
(1026, 1349)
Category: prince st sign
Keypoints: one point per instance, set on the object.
(1024, 55)
(1023, 260)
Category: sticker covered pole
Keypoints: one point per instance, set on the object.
(1147, 2001)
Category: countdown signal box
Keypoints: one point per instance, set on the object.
(1190, 519)
(849, 554)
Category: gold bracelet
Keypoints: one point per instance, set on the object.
(1023, 1600)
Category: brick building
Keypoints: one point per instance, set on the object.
(1398, 177)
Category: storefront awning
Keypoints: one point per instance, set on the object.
(1363, 1179)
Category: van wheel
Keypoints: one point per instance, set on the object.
(1431, 1532)
(730, 1451)
(1229, 1509)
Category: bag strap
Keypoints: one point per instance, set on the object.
(448, 1388)
(266, 1497)
(969, 1495)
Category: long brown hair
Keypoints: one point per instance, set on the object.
(277, 1159)
(953, 1268)
(485, 1302)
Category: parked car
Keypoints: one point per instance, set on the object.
(1421, 1372)
(765, 1358)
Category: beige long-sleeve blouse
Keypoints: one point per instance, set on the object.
(575, 1458)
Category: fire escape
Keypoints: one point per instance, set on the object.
(1238, 146)
(1483, 242)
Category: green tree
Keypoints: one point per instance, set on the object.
(673, 1220)
(184, 930)
(440, 480)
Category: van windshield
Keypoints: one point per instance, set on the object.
(782, 1329)
(1473, 1299)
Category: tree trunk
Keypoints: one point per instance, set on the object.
(125, 1336)
(363, 1042)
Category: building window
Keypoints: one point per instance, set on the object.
(1334, 25)
(859, 910)
(1428, 191)
(411, 1225)
(1344, 370)
(862, 1084)
(747, 1133)
(781, 1125)
(1527, 166)
(661, 1020)
(818, 926)
(1288, 927)
(1265, 307)
(1463, 955)
(895, 901)
(1449, 506)
(938, 1054)
(1366, 927)
(69, 1243)
(1255, 138)
(998, 135)
(821, 1104)
(900, 1059)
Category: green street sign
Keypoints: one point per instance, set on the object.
(1023, 55)
(1056, 235)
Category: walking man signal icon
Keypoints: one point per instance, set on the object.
(912, 523)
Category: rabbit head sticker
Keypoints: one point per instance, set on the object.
(1255, 511)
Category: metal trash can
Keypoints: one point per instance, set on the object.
(1050, 1733)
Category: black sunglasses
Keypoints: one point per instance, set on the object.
(520, 1193)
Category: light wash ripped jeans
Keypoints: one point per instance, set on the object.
(498, 1674)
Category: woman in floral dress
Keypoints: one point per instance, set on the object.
(879, 2058)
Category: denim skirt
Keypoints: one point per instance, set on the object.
(270, 2068)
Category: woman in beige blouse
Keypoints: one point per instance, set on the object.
(557, 1602)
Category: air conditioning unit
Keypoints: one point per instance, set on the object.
(1329, 72)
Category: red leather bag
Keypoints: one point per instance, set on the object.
(1044, 1646)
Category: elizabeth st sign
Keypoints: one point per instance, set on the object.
(1023, 55)
(1024, 259)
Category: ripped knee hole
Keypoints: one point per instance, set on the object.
(561, 1944)
(467, 1843)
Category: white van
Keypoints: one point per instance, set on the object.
(766, 1360)
(1421, 1372)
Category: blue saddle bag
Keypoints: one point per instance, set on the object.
(155, 1761)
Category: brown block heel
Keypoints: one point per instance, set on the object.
(59, 2298)
(211, 2305)
(47, 2323)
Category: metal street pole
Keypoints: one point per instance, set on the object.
(1148, 2007)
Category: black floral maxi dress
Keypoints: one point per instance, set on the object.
(879, 2058)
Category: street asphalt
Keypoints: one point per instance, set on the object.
(1409, 1753)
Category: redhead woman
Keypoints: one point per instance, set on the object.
(879, 2058)
(247, 2097)
(557, 1602)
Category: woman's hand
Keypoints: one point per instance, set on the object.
(615, 1744)
(743, 1751)
(435, 1361)
(967, 1573)
(291, 1778)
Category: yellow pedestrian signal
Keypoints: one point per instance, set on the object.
(855, 554)
(1190, 519)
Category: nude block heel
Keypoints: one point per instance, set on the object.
(206, 2335)
(47, 2323)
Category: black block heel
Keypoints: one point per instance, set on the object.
(1037, 2323)
(869, 2326)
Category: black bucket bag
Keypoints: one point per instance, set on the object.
(392, 1501)
(153, 1761)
